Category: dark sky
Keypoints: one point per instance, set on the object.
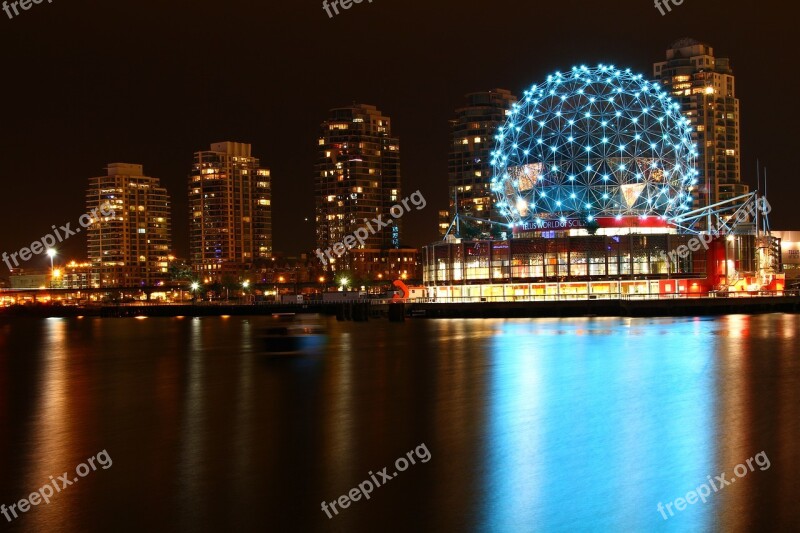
(86, 82)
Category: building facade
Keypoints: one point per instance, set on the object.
(574, 265)
(357, 178)
(704, 86)
(790, 253)
(130, 247)
(230, 208)
(469, 171)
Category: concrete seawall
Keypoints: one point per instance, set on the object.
(623, 307)
(365, 310)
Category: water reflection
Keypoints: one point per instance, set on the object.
(545, 425)
(599, 430)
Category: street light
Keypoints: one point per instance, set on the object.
(51, 253)
(245, 286)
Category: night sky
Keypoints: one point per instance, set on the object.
(86, 83)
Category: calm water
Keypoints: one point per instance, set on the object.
(532, 425)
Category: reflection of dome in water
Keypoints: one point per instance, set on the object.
(593, 142)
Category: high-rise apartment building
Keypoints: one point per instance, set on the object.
(230, 208)
(471, 143)
(357, 177)
(704, 86)
(131, 247)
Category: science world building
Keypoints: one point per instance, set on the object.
(594, 171)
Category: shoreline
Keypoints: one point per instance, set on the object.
(365, 310)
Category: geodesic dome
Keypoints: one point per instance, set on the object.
(593, 142)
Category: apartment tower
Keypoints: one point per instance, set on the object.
(471, 143)
(131, 247)
(357, 177)
(704, 86)
(230, 208)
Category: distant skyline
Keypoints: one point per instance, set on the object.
(88, 84)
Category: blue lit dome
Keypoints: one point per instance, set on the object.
(590, 143)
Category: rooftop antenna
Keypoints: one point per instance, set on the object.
(758, 188)
(767, 229)
(456, 218)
